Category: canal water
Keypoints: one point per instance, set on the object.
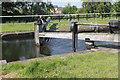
(22, 49)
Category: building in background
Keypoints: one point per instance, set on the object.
(57, 10)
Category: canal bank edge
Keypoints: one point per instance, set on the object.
(49, 57)
(12, 35)
(98, 49)
(17, 34)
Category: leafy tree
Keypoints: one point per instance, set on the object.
(26, 8)
(80, 10)
(12, 8)
(7, 6)
(69, 9)
(104, 7)
(73, 9)
(117, 7)
(97, 7)
(66, 9)
(50, 7)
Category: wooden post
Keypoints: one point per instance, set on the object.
(13, 21)
(67, 18)
(70, 18)
(102, 16)
(116, 15)
(94, 16)
(78, 17)
(74, 36)
(37, 51)
(36, 34)
(109, 16)
(59, 18)
(40, 27)
(87, 17)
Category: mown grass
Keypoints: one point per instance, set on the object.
(53, 24)
(97, 18)
(67, 24)
(90, 65)
(17, 28)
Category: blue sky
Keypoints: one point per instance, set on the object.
(63, 3)
(78, 3)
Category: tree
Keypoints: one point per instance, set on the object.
(69, 9)
(117, 7)
(26, 8)
(50, 7)
(73, 9)
(12, 8)
(97, 7)
(66, 9)
(104, 7)
(7, 6)
(80, 10)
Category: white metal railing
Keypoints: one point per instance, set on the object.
(58, 15)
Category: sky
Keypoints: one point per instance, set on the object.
(78, 3)
(63, 3)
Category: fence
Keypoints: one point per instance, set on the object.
(60, 17)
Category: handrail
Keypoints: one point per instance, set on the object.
(58, 15)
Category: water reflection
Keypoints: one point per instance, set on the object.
(22, 49)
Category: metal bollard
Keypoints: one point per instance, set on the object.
(74, 30)
(89, 43)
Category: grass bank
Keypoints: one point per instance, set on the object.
(53, 24)
(17, 28)
(90, 65)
